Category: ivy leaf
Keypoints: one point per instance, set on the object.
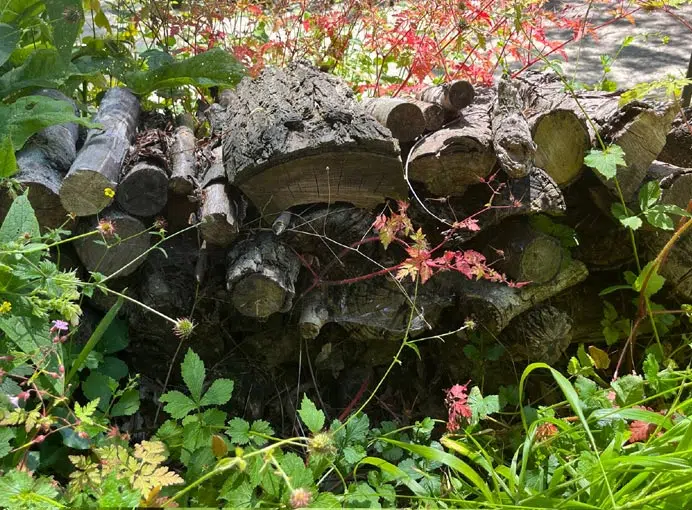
(311, 416)
(239, 430)
(218, 393)
(606, 162)
(482, 407)
(193, 374)
(629, 389)
(654, 283)
(178, 405)
(649, 194)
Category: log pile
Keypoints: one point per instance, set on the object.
(285, 192)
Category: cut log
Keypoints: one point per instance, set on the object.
(451, 96)
(218, 223)
(676, 186)
(404, 119)
(314, 313)
(122, 256)
(183, 165)
(542, 334)
(433, 113)
(297, 136)
(261, 275)
(525, 254)
(144, 190)
(494, 305)
(100, 161)
(282, 222)
(451, 159)
(512, 139)
(678, 148)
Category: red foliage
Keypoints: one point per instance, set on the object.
(458, 410)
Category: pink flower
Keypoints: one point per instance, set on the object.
(59, 326)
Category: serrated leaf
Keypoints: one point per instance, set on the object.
(178, 405)
(311, 416)
(239, 430)
(242, 496)
(353, 454)
(117, 493)
(649, 194)
(218, 393)
(19, 490)
(127, 404)
(6, 435)
(632, 222)
(654, 283)
(629, 389)
(261, 427)
(193, 374)
(606, 162)
(482, 407)
(20, 219)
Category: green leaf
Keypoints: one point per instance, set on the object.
(311, 416)
(212, 68)
(657, 217)
(20, 219)
(9, 38)
(261, 427)
(482, 407)
(43, 69)
(218, 393)
(625, 216)
(99, 386)
(6, 435)
(629, 389)
(326, 500)
(127, 404)
(117, 493)
(178, 405)
(193, 374)
(239, 430)
(649, 194)
(115, 337)
(632, 222)
(8, 161)
(606, 162)
(242, 496)
(113, 367)
(655, 281)
(66, 18)
(21, 491)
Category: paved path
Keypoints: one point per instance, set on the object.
(647, 58)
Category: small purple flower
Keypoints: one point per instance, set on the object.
(59, 326)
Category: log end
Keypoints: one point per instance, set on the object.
(562, 157)
(218, 229)
(85, 192)
(182, 184)
(259, 296)
(144, 190)
(406, 122)
(541, 259)
(460, 94)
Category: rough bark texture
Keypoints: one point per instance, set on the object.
(297, 136)
(144, 190)
(183, 163)
(261, 276)
(433, 114)
(123, 256)
(218, 217)
(512, 140)
(404, 119)
(678, 148)
(449, 160)
(100, 160)
(451, 96)
(676, 184)
(542, 334)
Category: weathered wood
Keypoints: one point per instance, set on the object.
(282, 222)
(261, 275)
(676, 189)
(143, 191)
(523, 253)
(218, 217)
(297, 136)
(183, 164)
(451, 96)
(124, 256)
(100, 160)
(314, 313)
(542, 334)
(217, 115)
(494, 305)
(678, 148)
(433, 113)
(514, 147)
(449, 160)
(404, 119)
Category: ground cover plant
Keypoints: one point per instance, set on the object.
(610, 426)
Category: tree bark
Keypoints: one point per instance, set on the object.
(123, 257)
(261, 275)
(451, 96)
(297, 136)
(433, 113)
(404, 119)
(514, 147)
(451, 159)
(183, 164)
(678, 148)
(218, 217)
(541, 334)
(100, 161)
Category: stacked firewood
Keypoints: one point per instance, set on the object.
(287, 187)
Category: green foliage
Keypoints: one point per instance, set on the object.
(311, 416)
(605, 162)
(657, 214)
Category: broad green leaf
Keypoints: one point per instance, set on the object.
(218, 393)
(672, 209)
(625, 216)
(629, 389)
(66, 18)
(632, 222)
(215, 67)
(20, 219)
(654, 283)
(9, 38)
(659, 219)
(606, 162)
(178, 405)
(311, 416)
(115, 338)
(113, 367)
(649, 195)
(193, 374)
(19, 490)
(99, 386)
(117, 493)
(6, 435)
(239, 430)
(396, 473)
(8, 161)
(127, 404)
(43, 69)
